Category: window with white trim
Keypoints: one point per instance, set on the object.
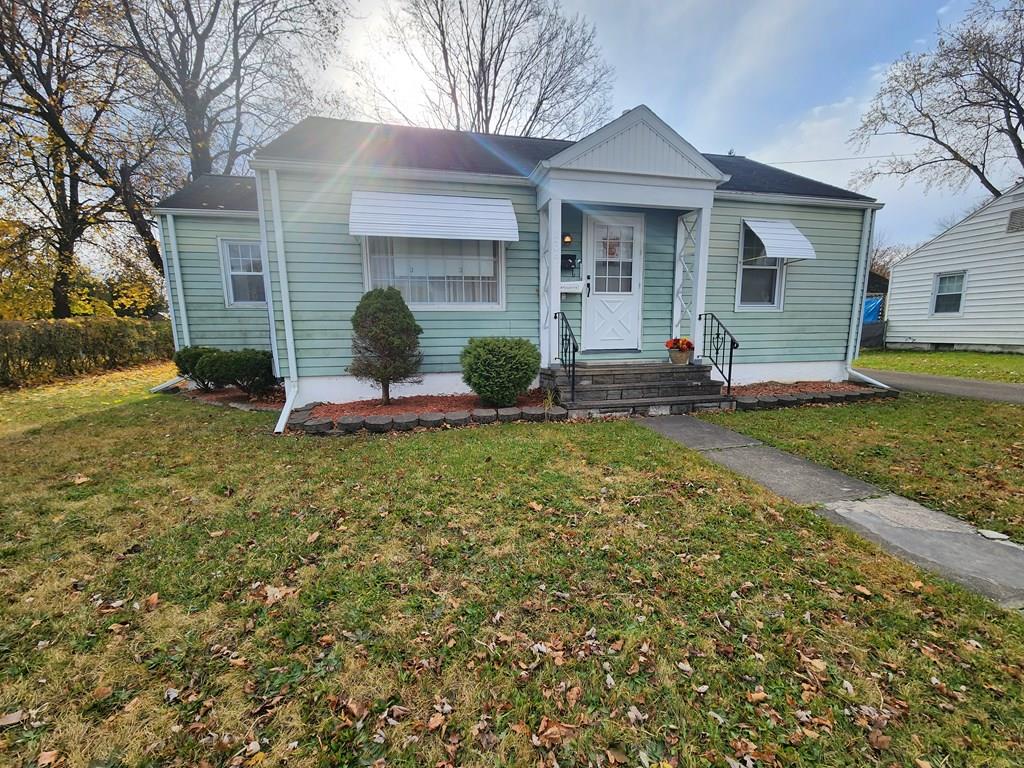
(760, 276)
(949, 293)
(243, 272)
(437, 273)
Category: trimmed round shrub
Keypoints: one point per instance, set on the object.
(499, 370)
(213, 370)
(185, 359)
(251, 370)
(385, 341)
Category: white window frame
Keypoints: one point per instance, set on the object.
(453, 307)
(780, 281)
(223, 243)
(935, 293)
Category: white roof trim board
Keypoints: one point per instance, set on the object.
(445, 217)
(782, 240)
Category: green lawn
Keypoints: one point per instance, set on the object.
(988, 366)
(963, 457)
(180, 587)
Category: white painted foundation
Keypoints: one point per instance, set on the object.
(754, 373)
(342, 389)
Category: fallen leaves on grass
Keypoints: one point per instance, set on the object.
(11, 718)
(272, 595)
(552, 733)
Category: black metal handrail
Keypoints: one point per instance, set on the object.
(719, 344)
(567, 349)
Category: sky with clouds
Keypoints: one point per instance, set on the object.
(781, 81)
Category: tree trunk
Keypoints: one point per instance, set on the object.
(385, 393)
(61, 287)
(135, 209)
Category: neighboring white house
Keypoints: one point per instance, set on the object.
(965, 288)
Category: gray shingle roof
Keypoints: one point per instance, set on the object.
(215, 193)
(351, 142)
(751, 176)
(326, 140)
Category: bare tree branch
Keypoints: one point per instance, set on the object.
(961, 103)
(518, 67)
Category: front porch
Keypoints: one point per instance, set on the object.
(624, 227)
(643, 388)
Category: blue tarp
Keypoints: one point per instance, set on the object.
(872, 309)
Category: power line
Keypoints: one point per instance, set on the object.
(834, 159)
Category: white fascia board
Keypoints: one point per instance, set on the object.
(637, 191)
(382, 172)
(781, 199)
(207, 212)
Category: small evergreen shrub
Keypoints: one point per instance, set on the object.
(385, 341)
(251, 370)
(213, 370)
(185, 359)
(499, 370)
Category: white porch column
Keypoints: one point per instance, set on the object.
(550, 278)
(700, 279)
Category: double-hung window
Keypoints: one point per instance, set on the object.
(434, 273)
(949, 293)
(760, 276)
(243, 273)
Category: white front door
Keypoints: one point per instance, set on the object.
(613, 269)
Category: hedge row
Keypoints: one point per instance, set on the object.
(38, 351)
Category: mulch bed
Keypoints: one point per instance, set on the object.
(416, 404)
(775, 388)
(273, 401)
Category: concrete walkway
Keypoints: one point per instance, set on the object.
(940, 543)
(996, 391)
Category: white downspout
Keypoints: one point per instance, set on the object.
(176, 262)
(291, 385)
(167, 283)
(857, 311)
(267, 282)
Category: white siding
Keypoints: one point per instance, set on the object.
(992, 309)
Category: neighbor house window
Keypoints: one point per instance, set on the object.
(243, 271)
(436, 272)
(760, 276)
(949, 293)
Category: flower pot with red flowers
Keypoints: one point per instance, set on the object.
(680, 351)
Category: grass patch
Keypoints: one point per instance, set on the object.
(960, 456)
(502, 595)
(987, 366)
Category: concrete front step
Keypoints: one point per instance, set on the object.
(651, 405)
(633, 391)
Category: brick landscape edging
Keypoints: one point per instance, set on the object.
(302, 419)
(765, 402)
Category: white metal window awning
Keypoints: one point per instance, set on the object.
(781, 239)
(447, 217)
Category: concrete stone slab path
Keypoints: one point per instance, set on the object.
(935, 541)
(995, 391)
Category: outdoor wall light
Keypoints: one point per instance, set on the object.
(566, 238)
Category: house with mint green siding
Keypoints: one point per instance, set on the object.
(597, 250)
